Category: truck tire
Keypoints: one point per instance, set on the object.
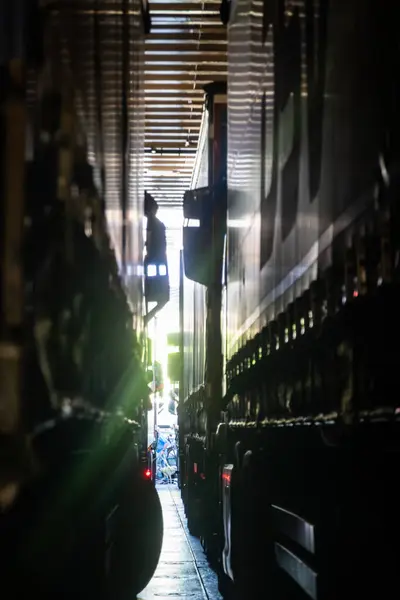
(137, 541)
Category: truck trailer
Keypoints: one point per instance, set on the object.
(80, 516)
(289, 434)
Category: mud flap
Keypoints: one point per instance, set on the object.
(134, 544)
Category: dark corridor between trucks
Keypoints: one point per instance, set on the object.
(288, 414)
(289, 301)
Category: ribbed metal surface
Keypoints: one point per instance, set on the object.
(102, 41)
(185, 50)
(101, 44)
(173, 219)
(160, 82)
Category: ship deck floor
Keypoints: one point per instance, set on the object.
(183, 571)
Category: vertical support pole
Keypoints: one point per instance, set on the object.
(181, 331)
(12, 285)
(216, 101)
(154, 374)
(181, 432)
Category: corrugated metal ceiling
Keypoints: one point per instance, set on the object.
(160, 108)
(185, 50)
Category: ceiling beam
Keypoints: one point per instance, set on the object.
(172, 11)
(158, 140)
(169, 156)
(169, 166)
(185, 48)
(173, 112)
(174, 90)
(173, 83)
(168, 145)
(83, 7)
(210, 32)
(167, 121)
(192, 2)
(187, 20)
(159, 169)
(174, 101)
(174, 64)
(171, 132)
(162, 75)
(169, 152)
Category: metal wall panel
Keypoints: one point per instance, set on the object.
(194, 320)
(101, 46)
(308, 107)
(194, 294)
(245, 73)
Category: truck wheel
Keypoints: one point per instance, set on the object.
(137, 543)
(193, 519)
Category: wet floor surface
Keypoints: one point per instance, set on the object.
(183, 571)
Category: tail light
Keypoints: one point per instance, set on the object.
(147, 474)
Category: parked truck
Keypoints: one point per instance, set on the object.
(289, 434)
(80, 516)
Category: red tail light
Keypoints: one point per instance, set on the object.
(147, 474)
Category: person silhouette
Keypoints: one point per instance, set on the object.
(156, 241)
(156, 254)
